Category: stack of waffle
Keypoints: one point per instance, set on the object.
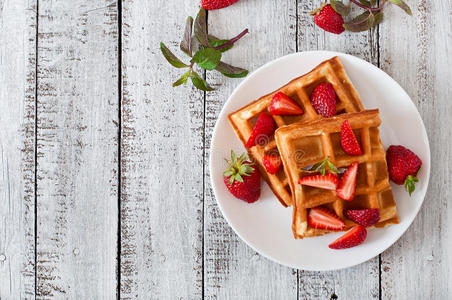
(309, 138)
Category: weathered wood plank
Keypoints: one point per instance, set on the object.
(161, 158)
(324, 285)
(416, 52)
(77, 140)
(232, 270)
(17, 148)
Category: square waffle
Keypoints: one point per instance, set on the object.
(299, 90)
(302, 145)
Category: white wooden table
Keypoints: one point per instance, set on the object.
(104, 179)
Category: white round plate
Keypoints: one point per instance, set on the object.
(265, 225)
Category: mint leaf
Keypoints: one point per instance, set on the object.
(199, 82)
(201, 28)
(230, 71)
(216, 42)
(340, 8)
(378, 18)
(207, 58)
(171, 58)
(185, 45)
(362, 22)
(402, 5)
(182, 80)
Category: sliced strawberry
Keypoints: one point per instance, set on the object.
(323, 218)
(365, 217)
(272, 163)
(348, 140)
(355, 236)
(283, 105)
(264, 128)
(347, 185)
(327, 181)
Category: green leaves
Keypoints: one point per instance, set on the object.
(171, 58)
(340, 8)
(207, 58)
(402, 5)
(360, 23)
(185, 45)
(230, 71)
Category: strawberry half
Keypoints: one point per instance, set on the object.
(323, 218)
(272, 163)
(349, 142)
(327, 181)
(323, 99)
(365, 217)
(242, 178)
(264, 128)
(355, 236)
(283, 105)
(347, 185)
(216, 4)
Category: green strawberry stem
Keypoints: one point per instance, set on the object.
(370, 9)
(233, 40)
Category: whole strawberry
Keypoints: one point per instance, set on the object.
(323, 99)
(403, 166)
(328, 19)
(216, 4)
(242, 178)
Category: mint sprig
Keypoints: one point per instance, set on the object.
(208, 56)
(371, 17)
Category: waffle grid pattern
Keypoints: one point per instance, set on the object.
(299, 90)
(320, 139)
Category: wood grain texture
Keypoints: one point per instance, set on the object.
(77, 149)
(324, 285)
(232, 270)
(416, 52)
(162, 158)
(17, 144)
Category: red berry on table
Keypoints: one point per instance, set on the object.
(347, 184)
(272, 163)
(403, 166)
(328, 19)
(264, 128)
(242, 178)
(349, 142)
(283, 105)
(323, 99)
(323, 218)
(364, 217)
(216, 4)
(327, 181)
(354, 237)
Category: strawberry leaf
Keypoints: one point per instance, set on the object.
(171, 58)
(201, 28)
(365, 3)
(199, 82)
(360, 23)
(340, 8)
(402, 5)
(230, 71)
(185, 45)
(207, 58)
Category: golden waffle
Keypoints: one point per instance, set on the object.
(299, 90)
(302, 145)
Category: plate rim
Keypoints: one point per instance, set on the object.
(398, 235)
